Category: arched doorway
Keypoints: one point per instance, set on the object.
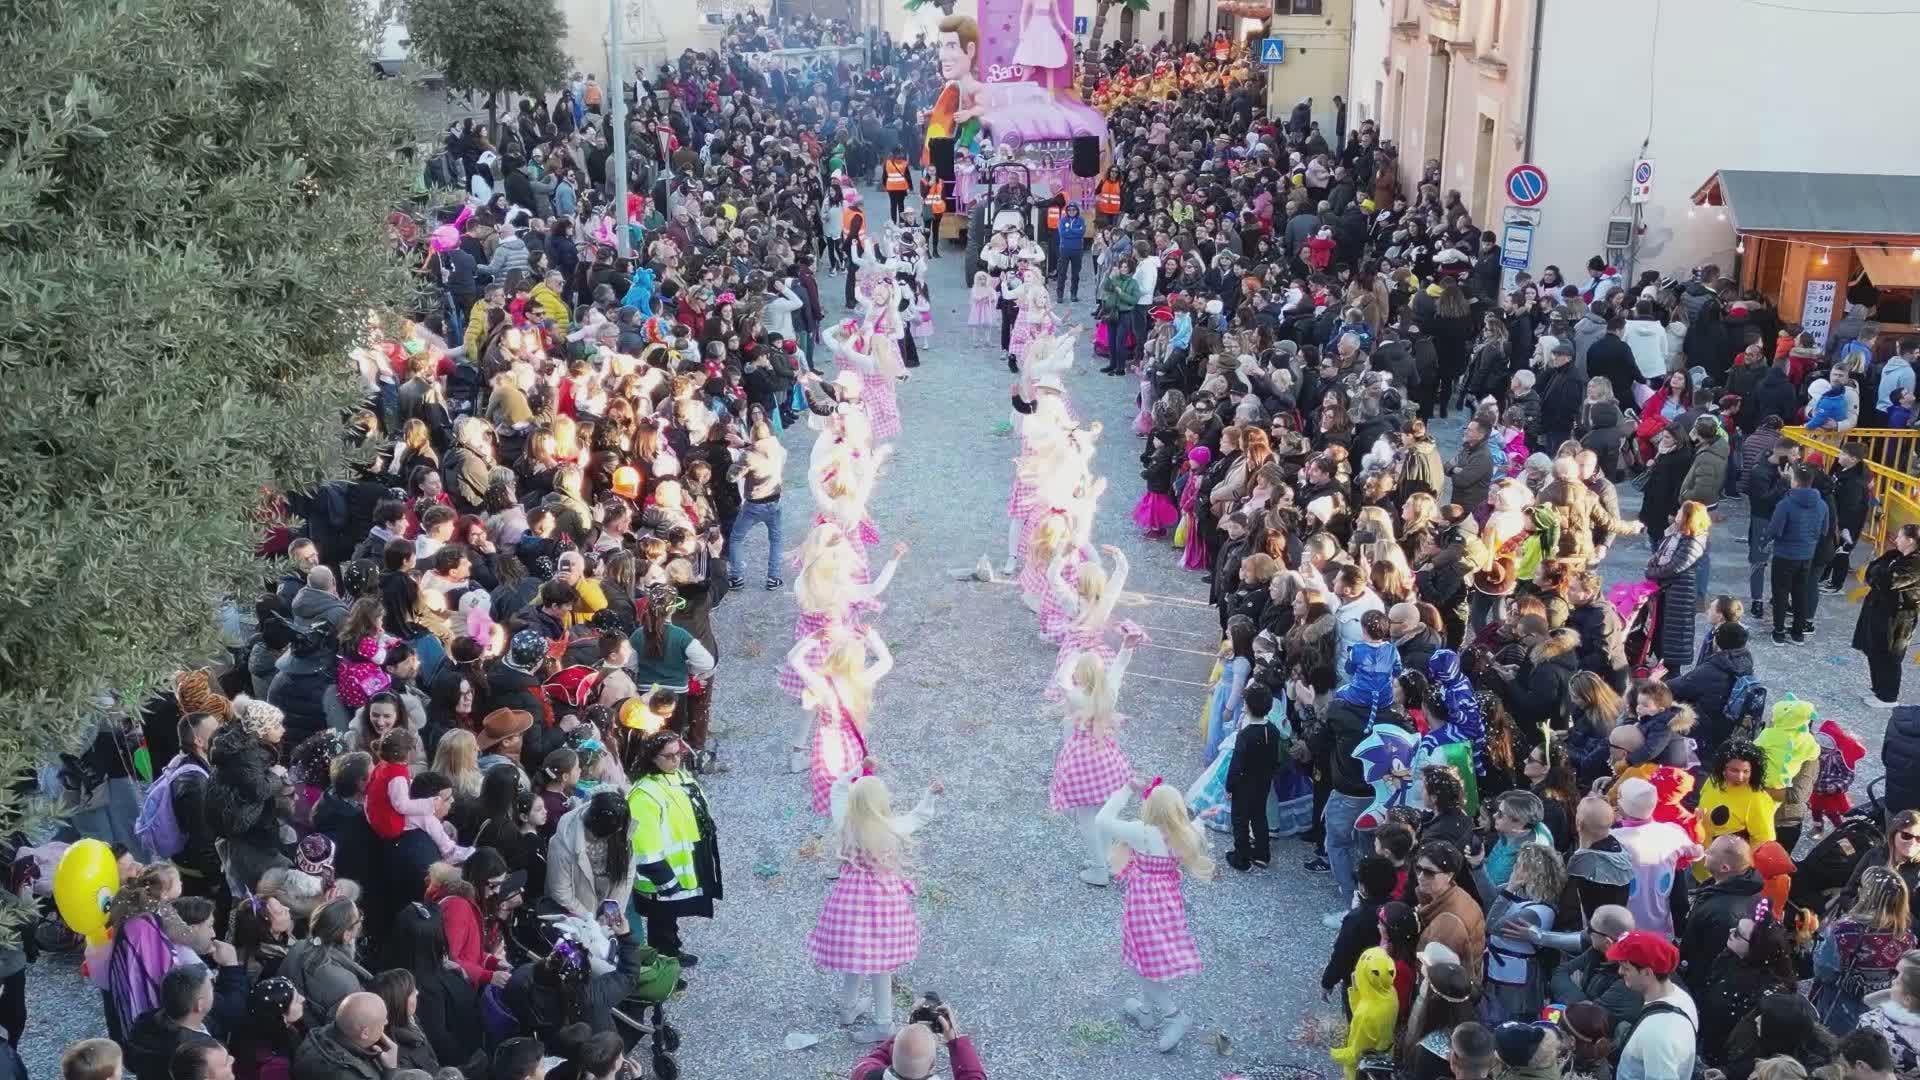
(1126, 25)
(1182, 18)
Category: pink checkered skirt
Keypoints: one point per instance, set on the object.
(883, 414)
(866, 925)
(1076, 640)
(1053, 617)
(838, 748)
(1154, 939)
(811, 622)
(1024, 331)
(1087, 770)
(1023, 496)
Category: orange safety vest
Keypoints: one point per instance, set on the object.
(896, 174)
(936, 198)
(1053, 218)
(847, 217)
(1107, 200)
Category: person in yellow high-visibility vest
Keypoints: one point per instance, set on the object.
(676, 850)
(897, 180)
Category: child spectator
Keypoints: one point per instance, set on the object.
(1394, 842)
(1257, 750)
(1840, 755)
(391, 810)
(1360, 928)
(1372, 666)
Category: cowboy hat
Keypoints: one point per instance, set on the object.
(503, 724)
(1497, 579)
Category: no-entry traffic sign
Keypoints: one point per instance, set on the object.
(1527, 185)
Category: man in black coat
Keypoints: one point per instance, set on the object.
(1706, 685)
(1561, 394)
(1773, 395)
(198, 861)
(1718, 907)
(1850, 502)
(1611, 358)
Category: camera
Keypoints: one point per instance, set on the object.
(929, 1010)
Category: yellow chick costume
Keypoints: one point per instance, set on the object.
(1376, 1008)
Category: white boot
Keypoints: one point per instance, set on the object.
(1175, 1030)
(1141, 1014)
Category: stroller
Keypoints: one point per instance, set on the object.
(1634, 602)
(1822, 875)
(534, 935)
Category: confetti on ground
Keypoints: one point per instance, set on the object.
(1095, 1032)
(766, 871)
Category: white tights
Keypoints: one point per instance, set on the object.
(1157, 997)
(1084, 818)
(853, 988)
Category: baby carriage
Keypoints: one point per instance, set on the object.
(1634, 602)
(1822, 874)
(534, 935)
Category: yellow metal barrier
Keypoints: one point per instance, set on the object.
(1891, 454)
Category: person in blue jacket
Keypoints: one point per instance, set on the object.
(1798, 522)
(1070, 242)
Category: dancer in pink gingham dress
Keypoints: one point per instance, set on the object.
(1089, 607)
(854, 347)
(1090, 766)
(867, 928)
(1035, 315)
(840, 692)
(1154, 939)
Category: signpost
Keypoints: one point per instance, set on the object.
(1273, 50)
(1080, 24)
(1527, 185)
(1642, 181)
(1516, 245)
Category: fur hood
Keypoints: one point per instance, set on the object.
(1559, 643)
(242, 784)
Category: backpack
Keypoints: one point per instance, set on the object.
(1699, 1067)
(156, 826)
(1746, 709)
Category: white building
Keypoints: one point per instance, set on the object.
(1694, 85)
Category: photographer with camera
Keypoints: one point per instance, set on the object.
(912, 1054)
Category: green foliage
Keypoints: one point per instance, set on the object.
(192, 201)
(491, 45)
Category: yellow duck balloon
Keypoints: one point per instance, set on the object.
(83, 886)
(1376, 1007)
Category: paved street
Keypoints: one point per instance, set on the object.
(1028, 956)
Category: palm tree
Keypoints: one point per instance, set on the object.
(945, 6)
(1089, 71)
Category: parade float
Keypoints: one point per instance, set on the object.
(1007, 126)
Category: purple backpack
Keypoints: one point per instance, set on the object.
(156, 826)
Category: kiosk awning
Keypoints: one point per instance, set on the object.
(1797, 202)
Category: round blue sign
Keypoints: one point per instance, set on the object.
(1643, 172)
(1526, 185)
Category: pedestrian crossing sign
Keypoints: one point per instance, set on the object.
(1273, 50)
